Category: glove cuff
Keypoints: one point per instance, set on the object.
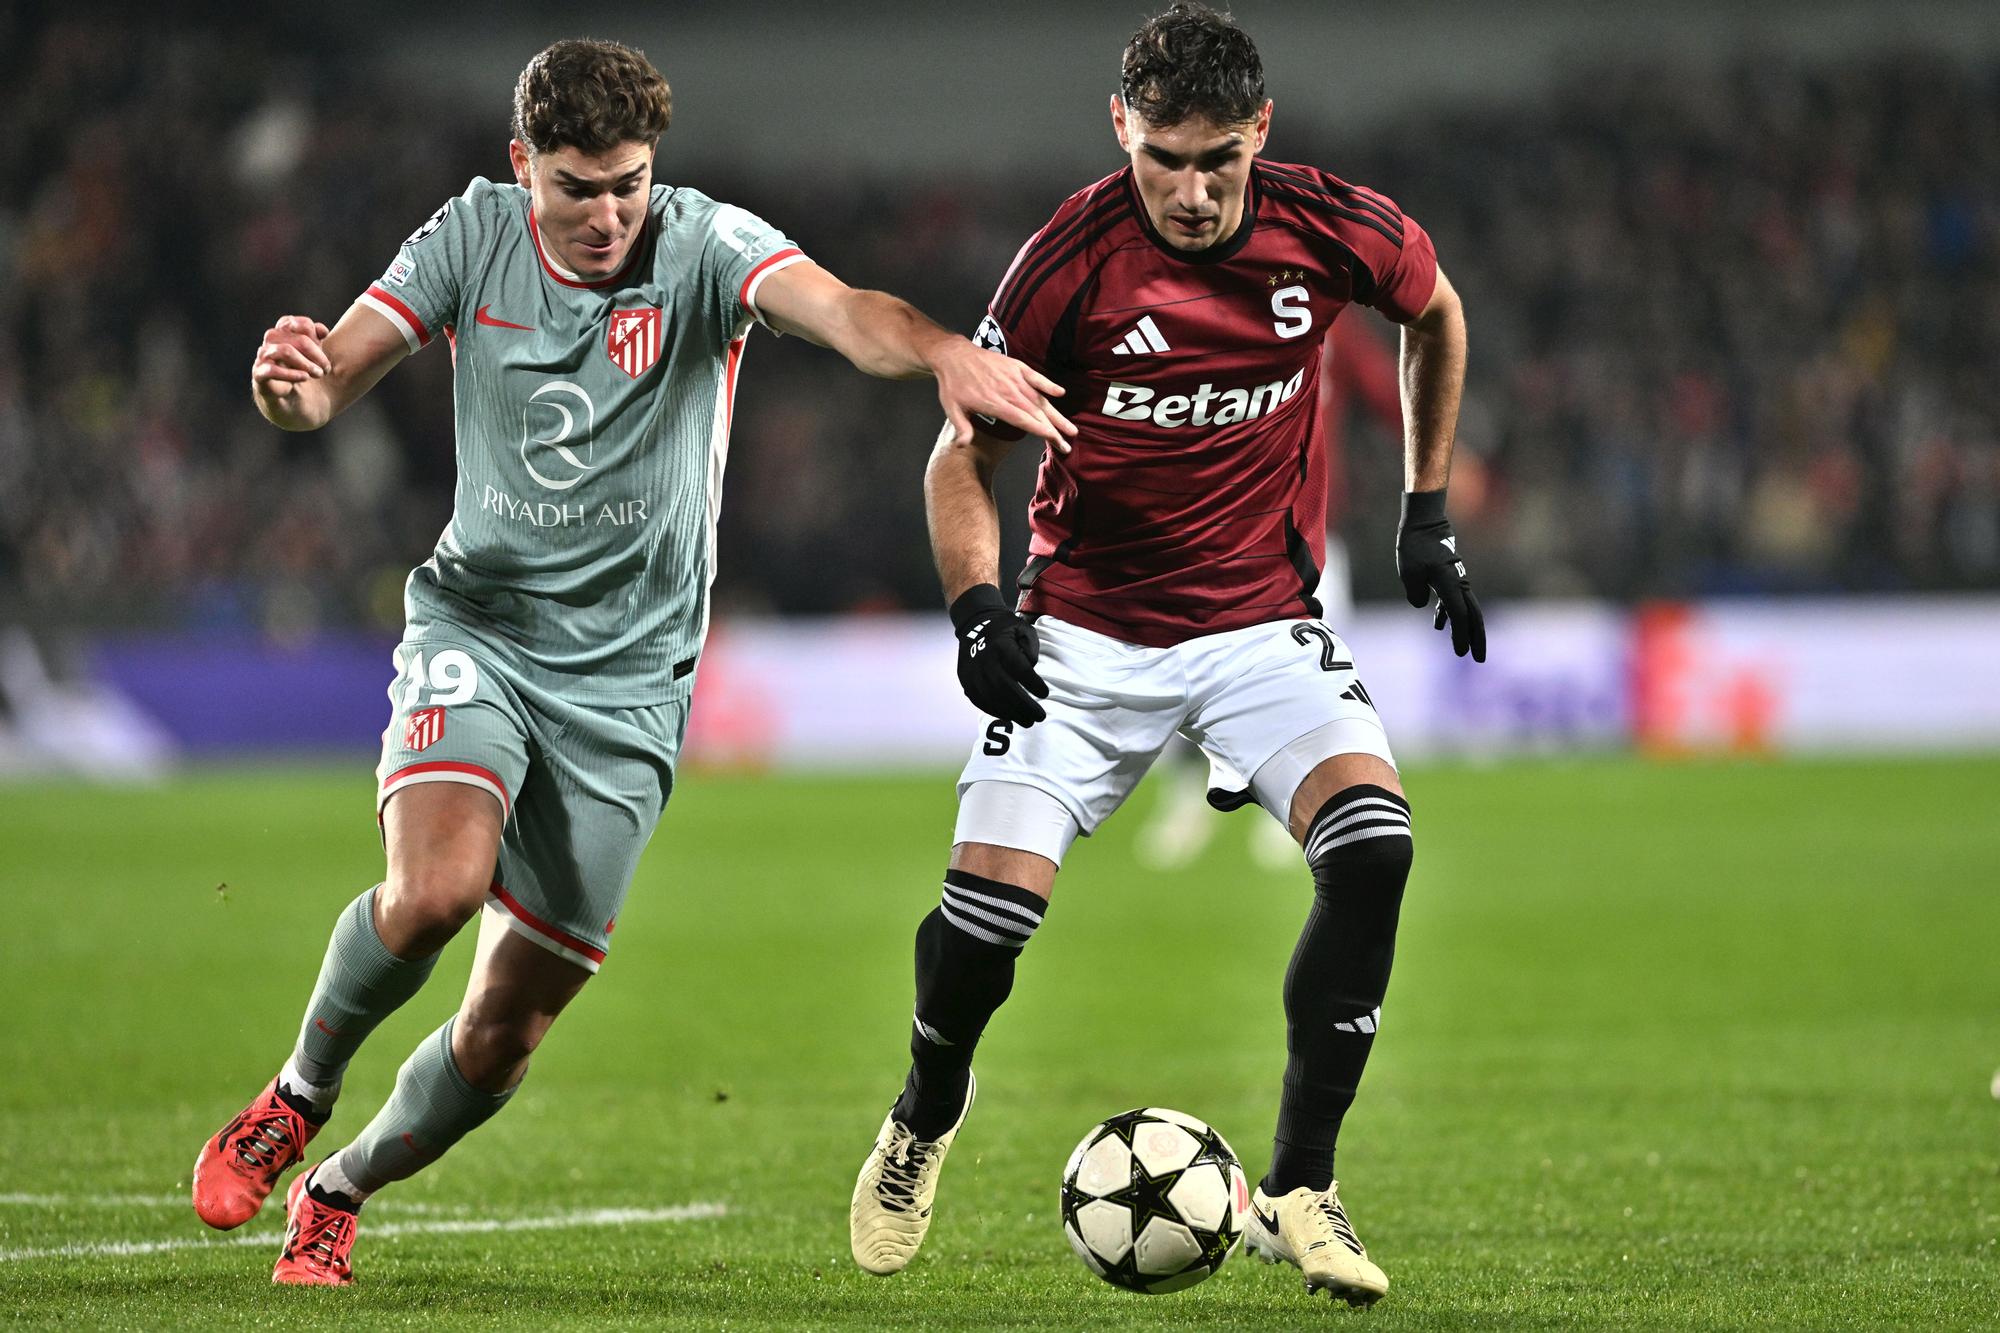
(975, 604)
(1420, 507)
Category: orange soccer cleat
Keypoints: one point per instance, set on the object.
(318, 1237)
(237, 1168)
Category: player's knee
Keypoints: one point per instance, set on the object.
(429, 902)
(1359, 843)
(491, 1051)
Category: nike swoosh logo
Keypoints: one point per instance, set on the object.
(320, 1023)
(493, 323)
(1269, 1220)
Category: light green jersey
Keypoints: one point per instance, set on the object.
(593, 425)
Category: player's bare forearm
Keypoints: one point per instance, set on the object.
(891, 338)
(305, 375)
(1432, 372)
(886, 336)
(880, 334)
(964, 520)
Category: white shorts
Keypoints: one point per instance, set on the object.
(1273, 701)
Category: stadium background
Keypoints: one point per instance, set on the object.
(1728, 476)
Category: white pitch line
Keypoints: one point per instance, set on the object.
(592, 1217)
(93, 1200)
(17, 1200)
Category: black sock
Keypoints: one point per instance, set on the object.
(966, 949)
(1359, 849)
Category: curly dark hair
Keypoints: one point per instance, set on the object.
(1192, 61)
(591, 96)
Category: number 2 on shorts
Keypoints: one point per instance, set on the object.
(1306, 631)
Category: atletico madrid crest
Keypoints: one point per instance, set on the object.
(634, 340)
(424, 729)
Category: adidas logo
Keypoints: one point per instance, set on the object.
(1145, 337)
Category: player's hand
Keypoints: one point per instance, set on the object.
(972, 379)
(1427, 558)
(291, 353)
(997, 651)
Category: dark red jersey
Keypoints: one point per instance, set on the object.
(1194, 500)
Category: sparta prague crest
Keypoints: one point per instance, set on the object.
(634, 340)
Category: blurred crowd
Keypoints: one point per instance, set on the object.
(1731, 332)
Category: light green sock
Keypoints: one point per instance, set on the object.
(432, 1108)
(360, 984)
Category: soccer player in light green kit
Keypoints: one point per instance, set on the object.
(597, 322)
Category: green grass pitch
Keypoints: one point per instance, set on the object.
(1680, 1046)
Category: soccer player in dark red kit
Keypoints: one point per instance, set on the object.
(1181, 304)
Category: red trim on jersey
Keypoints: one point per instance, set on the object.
(453, 766)
(389, 299)
(631, 256)
(743, 292)
(729, 385)
(543, 928)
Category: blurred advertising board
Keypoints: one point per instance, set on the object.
(859, 692)
(1840, 674)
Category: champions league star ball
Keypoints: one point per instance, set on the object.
(1153, 1200)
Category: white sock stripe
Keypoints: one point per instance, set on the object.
(1321, 848)
(1368, 805)
(1368, 1022)
(1323, 837)
(969, 898)
(1354, 821)
(979, 932)
(993, 919)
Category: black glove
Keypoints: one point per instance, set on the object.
(1427, 558)
(997, 650)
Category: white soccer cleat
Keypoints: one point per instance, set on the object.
(1310, 1231)
(892, 1197)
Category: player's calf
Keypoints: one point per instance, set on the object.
(360, 983)
(966, 950)
(433, 1106)
(1359, 848)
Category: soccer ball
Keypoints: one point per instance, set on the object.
(1153, 1200)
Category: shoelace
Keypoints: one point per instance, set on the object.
(1336, 1217)
(331, 1233)
(266, 1143)
(902, 1171)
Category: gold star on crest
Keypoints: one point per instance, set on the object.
(1285, 275)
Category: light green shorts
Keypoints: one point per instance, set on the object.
(580, 788)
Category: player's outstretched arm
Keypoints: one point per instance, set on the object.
(305, 375)
(1427, 554)
(891, 338)
(997, 648)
